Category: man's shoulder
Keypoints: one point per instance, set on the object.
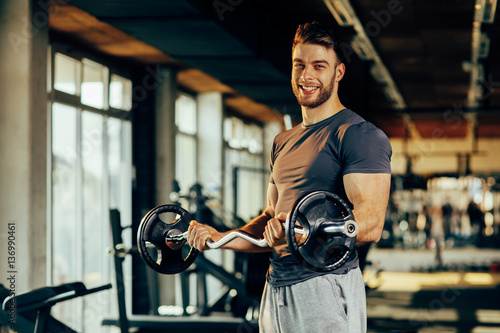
(342, 121)
(365, 135)
(357, 125)
(364, 129)
(347, 116)
(285, 135)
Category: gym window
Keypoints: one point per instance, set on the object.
(186, 148)
(245, 185)
(90, 172)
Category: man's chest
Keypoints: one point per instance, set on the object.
(315, 159)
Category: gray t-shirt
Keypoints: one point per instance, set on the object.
(315, 157)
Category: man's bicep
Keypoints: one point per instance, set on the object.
(369, 194)
(368, 188)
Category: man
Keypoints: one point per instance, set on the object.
(333, 149)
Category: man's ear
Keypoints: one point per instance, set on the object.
(339, 72)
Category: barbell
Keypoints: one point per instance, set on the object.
(320, 232)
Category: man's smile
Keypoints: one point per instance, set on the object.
(308, 90)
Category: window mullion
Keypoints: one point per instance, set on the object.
(105, 197)
(50, 196)
(66, 98)
(80, 215)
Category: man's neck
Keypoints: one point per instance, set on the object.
(325, 110)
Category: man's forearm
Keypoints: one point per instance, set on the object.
(256, 228)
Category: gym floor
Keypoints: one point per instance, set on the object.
(465, 300)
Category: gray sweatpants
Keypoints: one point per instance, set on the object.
(328, 303)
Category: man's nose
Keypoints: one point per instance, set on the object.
(307, 74)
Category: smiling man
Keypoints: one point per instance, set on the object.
(334, 150)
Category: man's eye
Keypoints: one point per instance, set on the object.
(320, 66)
(299, 65)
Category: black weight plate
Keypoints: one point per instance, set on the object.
(319, 250)
(153, 231)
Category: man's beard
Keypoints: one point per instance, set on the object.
(323, 95)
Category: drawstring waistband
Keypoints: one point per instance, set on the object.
(281, 291)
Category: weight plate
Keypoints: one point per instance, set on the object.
(152, 245)
(325, 245)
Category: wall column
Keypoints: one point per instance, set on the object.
(23, 141)
(166, 93)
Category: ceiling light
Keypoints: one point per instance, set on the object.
(392, 94)
(485, 11)
(484, 46)
(378, 74)
(362, 48)
(490, 8)
(340, 12)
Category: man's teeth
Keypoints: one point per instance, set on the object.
(309, 88)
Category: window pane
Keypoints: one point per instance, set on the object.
(252, 183)
(185, 114)
(120, 93)
(95, 226)
(66, 74)
(120, 191)
(235, 134)
(92, 189)
(114, 162)
(228, 129)
(94, 83)
(65, 230)
(185, 160)
(254, 138)
(119, 157)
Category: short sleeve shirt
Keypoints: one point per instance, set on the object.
(314, 157)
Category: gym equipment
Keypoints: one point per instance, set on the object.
(320, 230)
(152, 239)
(204, 321)
(330, 228)
(36, 305)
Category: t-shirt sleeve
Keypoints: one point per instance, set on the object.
(365, 149)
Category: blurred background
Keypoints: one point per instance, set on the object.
(126, 105)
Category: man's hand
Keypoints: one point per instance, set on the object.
(198, 234)
(274, 232)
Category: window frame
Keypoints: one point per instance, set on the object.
(195, 137)
(125, 117)
(229, 176)
(75, 100)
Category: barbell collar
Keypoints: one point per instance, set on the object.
(349, 229)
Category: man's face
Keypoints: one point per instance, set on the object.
(313, 74)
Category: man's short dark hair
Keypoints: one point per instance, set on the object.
(319, 34)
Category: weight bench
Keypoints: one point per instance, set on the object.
(32, 309)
